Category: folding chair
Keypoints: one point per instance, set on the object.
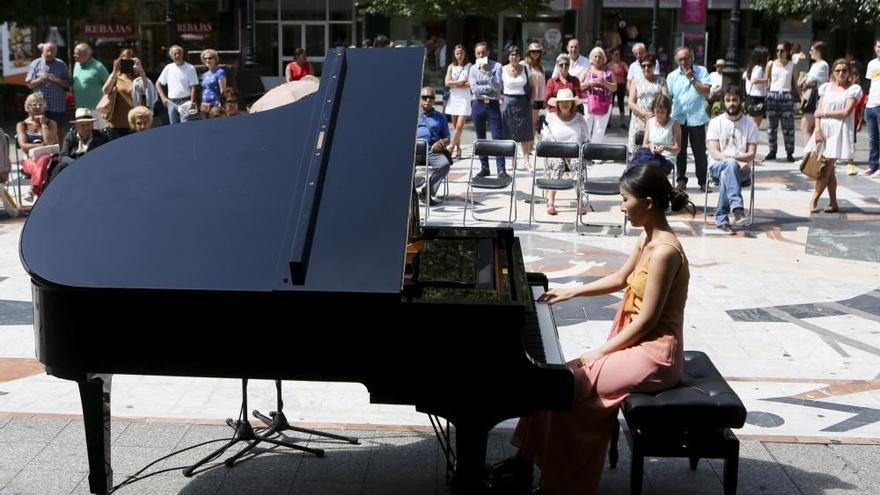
(750, 185)
(12, 141)
(590, 152)
(421, 160)
(491, 148)
(566, 150)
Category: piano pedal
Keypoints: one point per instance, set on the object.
(513, 475)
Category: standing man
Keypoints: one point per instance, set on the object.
(49, 77)
(733, 142)
(578, 62)
(181, 80)
(872, 112)
(484, 78)
(434, 129)
(688, 86)
(299, 68)
(89, 77)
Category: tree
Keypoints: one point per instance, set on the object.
(839, 14)
(432, 9)
(41, 11)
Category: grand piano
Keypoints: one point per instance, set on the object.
(168, 251)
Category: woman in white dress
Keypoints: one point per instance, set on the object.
(459, 104)
(645, 91)
(835, 126)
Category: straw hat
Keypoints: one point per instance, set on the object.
(564, 94)
(535, 47)
(83, 115)
(720, 62)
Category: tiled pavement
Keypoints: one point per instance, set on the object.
(789, 310)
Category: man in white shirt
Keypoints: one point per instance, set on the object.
(732, 141)
(872, 112)
(181, 80)
(578, 61)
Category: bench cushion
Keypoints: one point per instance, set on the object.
(702, 400)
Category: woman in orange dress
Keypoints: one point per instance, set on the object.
(643, 351)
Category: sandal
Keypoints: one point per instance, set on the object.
(832, 209)
(814, 209)
(551, 210)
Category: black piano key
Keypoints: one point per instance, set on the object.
(531, 338)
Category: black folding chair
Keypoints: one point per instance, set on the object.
(491, 148)
(12, 143)
(604, 186)
(750, 184)
(421, 160)
(565, 150)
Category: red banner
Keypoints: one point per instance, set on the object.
(693, 11)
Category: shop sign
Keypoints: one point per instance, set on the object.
(641, 4)
(697, 42)
(195, 27)
(693, 11)
(108, 30)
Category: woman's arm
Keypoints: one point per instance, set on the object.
(839, 114)
(646, 139)
(676, 139)
(605, 285)
(631, 103)
(111, 81)
(448, 81)
(817, 134)
(665, 263)
(222, 83)
(21, 131)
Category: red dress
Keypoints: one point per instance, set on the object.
(569, 446)
(297, 72)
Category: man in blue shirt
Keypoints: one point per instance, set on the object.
(434, 129)
(48, 76)
(485, 81)
(688, 86)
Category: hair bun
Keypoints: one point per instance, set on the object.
(678, 200)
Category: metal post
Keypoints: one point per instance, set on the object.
(732, 75)
(249, 47)
(655, 27)
(170, 26)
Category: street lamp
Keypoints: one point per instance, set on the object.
(170, 27)
(250, 60)
(654, 28)
(732, 75)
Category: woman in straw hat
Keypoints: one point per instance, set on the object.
(566, 124)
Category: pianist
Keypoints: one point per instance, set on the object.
(434, 129)
(643, 351)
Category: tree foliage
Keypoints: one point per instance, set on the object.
(433, 9)
(41, 11)
(838, 13)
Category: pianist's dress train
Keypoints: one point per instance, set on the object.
(569, 446)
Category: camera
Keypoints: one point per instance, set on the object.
(126, 66)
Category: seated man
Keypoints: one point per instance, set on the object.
(732, 141)
(434, 129)
(78, 141)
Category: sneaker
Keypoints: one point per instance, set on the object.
(869, 173)
(483, 173)
(725, 228)
(789, 158)
(851, 169)
(503, 175)
(770, 156)
(739, 216)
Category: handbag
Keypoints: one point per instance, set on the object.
(807, 97)
(754, 107)
(106, 103)
(813, 164)
(598, 100)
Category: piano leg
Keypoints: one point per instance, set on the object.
(94, 393)
(470, 451)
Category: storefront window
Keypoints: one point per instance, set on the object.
(340, 10)
(266, 10)
(304, 10)
(267, 48)
(340, 35)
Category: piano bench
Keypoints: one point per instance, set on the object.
(692, 419)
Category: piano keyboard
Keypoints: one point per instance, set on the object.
(540, 339)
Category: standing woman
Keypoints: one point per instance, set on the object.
(213, 81)
(619, 69)
(459, 104)
(835, 126)
(783, 75)
(598, 88)
(756, 85)
(817, 76)
(537, 79)
(641, 99)
(34, 131)
(643, 351)
(516, 107)
(125, 89)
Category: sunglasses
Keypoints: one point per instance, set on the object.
(427, 97)
(232, 102)
(780, 50)
(37, 105)
(563, 64)
(646, 66)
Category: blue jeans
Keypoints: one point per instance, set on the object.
(730, 176)
(872, 120)
(173, 111)
(481, 114)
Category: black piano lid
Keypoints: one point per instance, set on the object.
(216, 205)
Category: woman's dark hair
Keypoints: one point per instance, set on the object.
(463, 50)
(759, 58)
(648, 181)
(512, 50)
(786, 47)
(664, 102)
(649, 58)
(229, 94)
